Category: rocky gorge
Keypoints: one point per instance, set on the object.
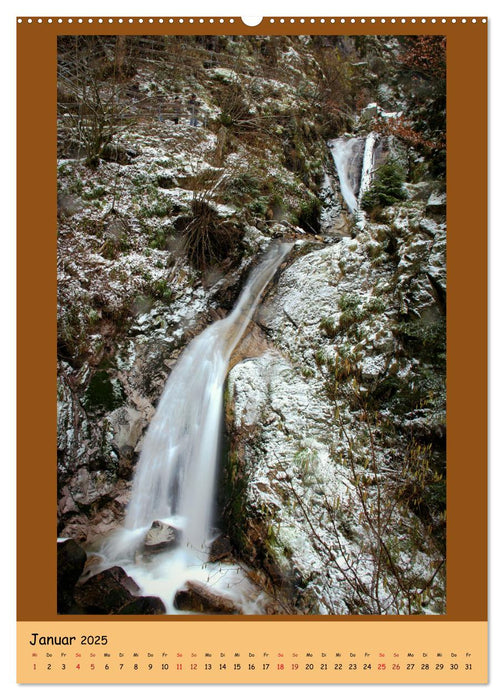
(181, 160)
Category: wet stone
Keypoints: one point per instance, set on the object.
(197, 597)
(144, 605)
(161, 536)
(106, 592)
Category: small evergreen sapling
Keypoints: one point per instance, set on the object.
(387, 187)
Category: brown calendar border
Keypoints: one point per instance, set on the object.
(466, 260)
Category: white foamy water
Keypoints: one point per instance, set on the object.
(367, 164)
(176, 473)
(353, 158)
(347, 154)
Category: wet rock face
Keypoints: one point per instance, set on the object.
(127, 425)
(99, 518)
(197, 597)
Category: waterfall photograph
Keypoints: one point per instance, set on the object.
(251, 325)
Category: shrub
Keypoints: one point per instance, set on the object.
(329, 326)
(351, 313)
(161, 290)
(208, 239)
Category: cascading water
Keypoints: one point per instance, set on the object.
(367, 164)
(353, 159)
(174, 479)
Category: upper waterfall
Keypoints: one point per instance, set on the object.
(353, 158)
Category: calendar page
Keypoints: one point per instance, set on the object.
(252, 271)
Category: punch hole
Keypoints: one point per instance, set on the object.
(251, 21)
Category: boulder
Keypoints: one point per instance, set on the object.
(369, 112)
(161, 536)
(71, 560)
(114, 153)
(106, 592)
(436, 204)
(197, 597)
(144, 605)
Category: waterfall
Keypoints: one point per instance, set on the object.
(177, 467)
(346, 154)
(353, 158)
(175, 477)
